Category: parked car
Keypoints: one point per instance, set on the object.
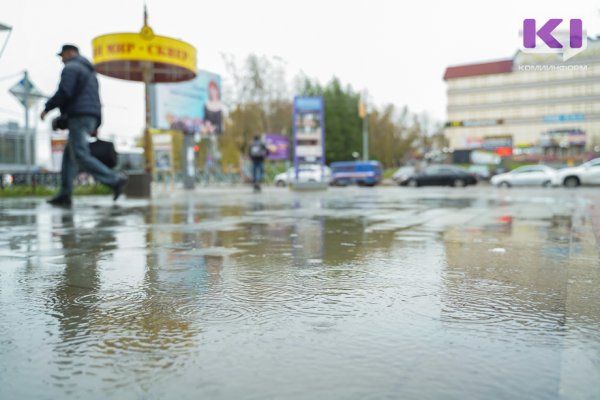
(403, 173)
(366, 173)
(307, 173)
(481, 171)
(441, 175)
(529, 175)
(585, 174)
(7, 179)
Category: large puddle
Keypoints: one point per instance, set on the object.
(348, 294)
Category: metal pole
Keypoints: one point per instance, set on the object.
(147, 138)
(366, 136)
(189, 163)
(145, 183)
(9, 30)
(27, 133)
(147, 72)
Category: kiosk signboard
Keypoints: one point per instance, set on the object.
(309, 133)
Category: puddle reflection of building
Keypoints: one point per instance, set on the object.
(518, 270)
(525, 286)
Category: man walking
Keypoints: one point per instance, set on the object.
(78, 100)
(258, 152)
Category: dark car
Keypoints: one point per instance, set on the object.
(441, 175)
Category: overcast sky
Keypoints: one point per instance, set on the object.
(398, 50)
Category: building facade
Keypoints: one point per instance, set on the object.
(14, 146)
(533, 106)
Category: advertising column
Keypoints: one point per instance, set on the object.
(309, 142)
(162, 145)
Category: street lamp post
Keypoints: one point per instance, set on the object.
(27, 133)
(5, 28)
(366, 138)
(364, 114)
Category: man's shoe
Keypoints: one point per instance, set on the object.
(60, 201)
(118, 189)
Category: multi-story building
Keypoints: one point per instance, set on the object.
(533, 105)
(14, 147)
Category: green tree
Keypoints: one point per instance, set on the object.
(259, 101)
(258, 98)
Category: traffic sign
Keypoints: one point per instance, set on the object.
(26, 92)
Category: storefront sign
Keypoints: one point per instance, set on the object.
(495, 142)
(564, 118)
(144, 57)
(475, 122)
(474, 143)
(483, 122)
(504, 151)
(144, 46)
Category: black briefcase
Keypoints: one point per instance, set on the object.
(105, 152)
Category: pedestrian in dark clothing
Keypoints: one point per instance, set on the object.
(257, 151)
(78, 100)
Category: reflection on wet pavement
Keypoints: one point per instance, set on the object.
(347, 294)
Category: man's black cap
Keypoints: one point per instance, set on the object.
(68, 47)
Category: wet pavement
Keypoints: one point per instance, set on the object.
(389, 293)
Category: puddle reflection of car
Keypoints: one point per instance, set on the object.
(529, 175)
(441, 175)
(307, 173)
(585, 174)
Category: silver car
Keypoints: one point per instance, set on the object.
(529, 175)
(307, 173)
(585, 174)
(403, 174)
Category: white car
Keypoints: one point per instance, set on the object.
(529, 175)
(403, 174)
(585, 174)
(307, 173)
(7, 179)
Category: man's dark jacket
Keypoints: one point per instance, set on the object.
(77, 93)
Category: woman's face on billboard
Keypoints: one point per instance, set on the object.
(214, 93)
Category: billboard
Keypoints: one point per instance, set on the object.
(58, 141)
(278, 145)
(162, 143)
(193, 106)
(309, 146)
